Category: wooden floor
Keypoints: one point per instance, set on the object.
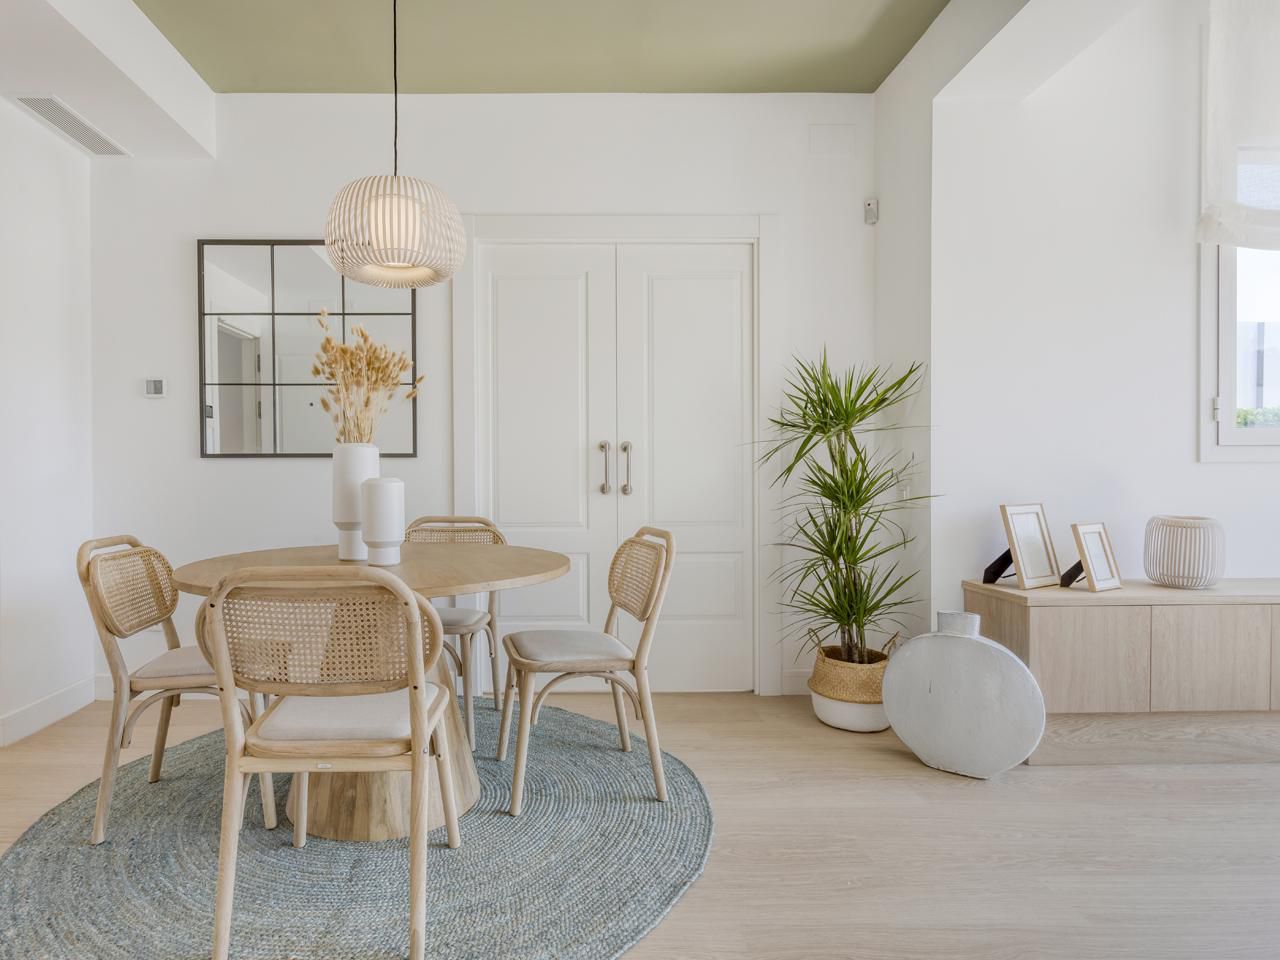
(834, 845)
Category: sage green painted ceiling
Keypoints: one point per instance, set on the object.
(544, 46)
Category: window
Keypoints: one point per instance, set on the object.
(259, 300)
(1247, 405)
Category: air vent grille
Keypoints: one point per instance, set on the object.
(57, 114)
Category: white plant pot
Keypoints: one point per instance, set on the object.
(382, 519)
(859, 717)
(353, 464)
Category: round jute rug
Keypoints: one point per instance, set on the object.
(590, 866)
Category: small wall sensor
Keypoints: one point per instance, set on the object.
(871, 211)
(153, 389)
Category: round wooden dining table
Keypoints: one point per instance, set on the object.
(375, 806)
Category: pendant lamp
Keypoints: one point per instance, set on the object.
(394, 231)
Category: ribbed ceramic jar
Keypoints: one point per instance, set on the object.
(1189, 553)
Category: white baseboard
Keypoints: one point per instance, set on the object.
(36, 716)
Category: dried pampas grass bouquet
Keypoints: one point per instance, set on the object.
(364, 378)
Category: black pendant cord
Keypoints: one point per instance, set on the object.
(395, 93)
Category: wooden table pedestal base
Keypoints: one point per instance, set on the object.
(375, 806)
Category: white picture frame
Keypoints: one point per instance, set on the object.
(1097, 556)
(1027, 531)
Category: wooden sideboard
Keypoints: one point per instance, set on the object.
(1146, 673)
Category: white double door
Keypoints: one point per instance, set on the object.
(618, 394)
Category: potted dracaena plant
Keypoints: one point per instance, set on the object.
(842, 584)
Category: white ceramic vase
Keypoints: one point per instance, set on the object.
(382, 519)
(962, 703)
(353, 464)
(1189, 553)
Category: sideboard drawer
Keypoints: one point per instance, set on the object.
(1211, 657)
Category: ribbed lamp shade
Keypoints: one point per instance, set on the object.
(394, 232)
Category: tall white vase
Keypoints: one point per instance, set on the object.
(1185, 552)
(382, 516)
(353, 464)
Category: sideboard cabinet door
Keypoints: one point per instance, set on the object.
(1092, 659)
(1211, 657)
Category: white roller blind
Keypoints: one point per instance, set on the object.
(1241, 189)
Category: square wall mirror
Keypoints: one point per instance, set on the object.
(258, 338)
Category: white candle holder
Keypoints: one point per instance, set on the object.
(382, 516)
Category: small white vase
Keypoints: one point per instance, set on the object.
(382, 519)
(1189, 553)
(353, 464)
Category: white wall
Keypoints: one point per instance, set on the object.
(280, 161)
(46, 636)
(1065, 309)
(904, 166)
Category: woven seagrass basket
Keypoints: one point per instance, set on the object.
(849, 682)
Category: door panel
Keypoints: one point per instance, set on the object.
(547, 315)
(685, 326)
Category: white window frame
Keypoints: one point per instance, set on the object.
(1220, 439)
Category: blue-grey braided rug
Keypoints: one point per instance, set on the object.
(590, 866)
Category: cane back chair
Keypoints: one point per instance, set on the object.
(129, 588)
(465, 623)
(638, 579)
(341, 648)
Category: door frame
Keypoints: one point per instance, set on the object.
(471, 427)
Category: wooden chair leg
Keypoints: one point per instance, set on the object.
(522, 740)
(266, 785)
(418, 828)
(115, 732)
(162, 734)
(444, 772)
(466, 655)
(229, 847)
(300, 783)
(493, 664)
(651, 734)
(508, 702)
(620, 708)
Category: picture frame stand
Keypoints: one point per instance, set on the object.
(1073, 574)
(995, 570)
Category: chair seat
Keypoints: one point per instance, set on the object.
(372, 724)
(570, 649)
(182, 667)
(462, 619)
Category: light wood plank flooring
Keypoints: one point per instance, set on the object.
(832, 845)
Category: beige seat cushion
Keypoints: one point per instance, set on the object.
(370, 716)
(183, 667)
(570, 647)
(462, 619)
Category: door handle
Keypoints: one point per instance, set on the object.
(604, 448)
(625, 447)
